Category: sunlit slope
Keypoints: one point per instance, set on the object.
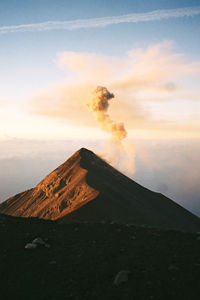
(86, 188)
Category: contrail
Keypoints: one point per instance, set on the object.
(103, 22)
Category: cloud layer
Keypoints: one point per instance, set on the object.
(155, 15)
(141, 78)
(169, 167)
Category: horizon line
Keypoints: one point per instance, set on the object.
(154, 15)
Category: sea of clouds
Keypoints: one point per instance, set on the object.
(169, 167)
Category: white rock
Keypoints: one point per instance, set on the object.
(121, 277)
(31, 246)
(38, 241)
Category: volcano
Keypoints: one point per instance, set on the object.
(87, 189)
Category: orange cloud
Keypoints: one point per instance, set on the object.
(142, 76)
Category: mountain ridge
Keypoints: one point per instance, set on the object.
(86, 188)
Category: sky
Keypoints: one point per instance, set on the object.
(53, 54)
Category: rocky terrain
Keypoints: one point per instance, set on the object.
(86, 188)
(100, 261)
(89, 232)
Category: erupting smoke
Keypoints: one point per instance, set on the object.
(143, 86)
(99, 105)
(120, 155)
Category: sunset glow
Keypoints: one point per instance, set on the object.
(54, 54)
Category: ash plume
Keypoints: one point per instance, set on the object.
(120, 155)
(99, 105)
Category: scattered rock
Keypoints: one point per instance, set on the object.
(121, 277)
(133, 237)
(38, 241)
(31, 246)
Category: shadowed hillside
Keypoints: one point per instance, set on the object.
(82, 261)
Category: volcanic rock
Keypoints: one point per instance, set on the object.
(38, 241)
(121, 277)
(86, 270)
(31, 246)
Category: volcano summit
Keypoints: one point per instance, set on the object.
(86, 188)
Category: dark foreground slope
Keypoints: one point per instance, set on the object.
(83, 260)
(86, 188)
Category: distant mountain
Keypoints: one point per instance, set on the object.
(86, 188)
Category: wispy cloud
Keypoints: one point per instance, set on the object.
(106, 21)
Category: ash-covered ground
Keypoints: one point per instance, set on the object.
(83, 261)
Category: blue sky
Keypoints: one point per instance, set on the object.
(27, 59)
(184, 30)
(25, 11)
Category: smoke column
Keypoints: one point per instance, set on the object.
(99, 105)
(121, 155)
